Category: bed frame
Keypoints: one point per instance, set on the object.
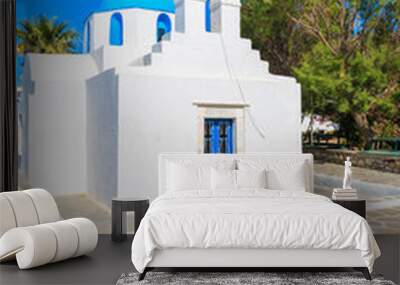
(237, 259)
(250, 259)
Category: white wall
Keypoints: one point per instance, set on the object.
(53, 67)
(225, 18)
(56, 127)
(102, 137)
(190, 15)
(206, 55)
(156, 114)
(57, 137)
(22, 137)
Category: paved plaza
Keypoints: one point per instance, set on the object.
(383, 209)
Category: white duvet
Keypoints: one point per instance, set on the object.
(250, 219)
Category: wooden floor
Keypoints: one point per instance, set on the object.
(106, 264)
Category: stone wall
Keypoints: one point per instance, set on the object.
(373, 161)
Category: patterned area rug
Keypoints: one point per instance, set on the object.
(243, 278)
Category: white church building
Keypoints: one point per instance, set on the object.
(151, 82)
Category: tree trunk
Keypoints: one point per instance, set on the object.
(364, 127)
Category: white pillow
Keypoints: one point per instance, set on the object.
(292, 178)
(223, 179)
(282, 174)
(251, 178)
(188, 177)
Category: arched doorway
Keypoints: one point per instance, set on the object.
(163, 26)
(116, 30)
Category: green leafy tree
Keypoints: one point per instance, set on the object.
(267, 23)
(345, 53)
(352, 73)
(44, 35)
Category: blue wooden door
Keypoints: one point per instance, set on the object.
(219, 136)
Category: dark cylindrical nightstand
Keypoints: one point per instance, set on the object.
(121, 205)
(357, 206)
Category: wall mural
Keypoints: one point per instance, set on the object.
(105, 86)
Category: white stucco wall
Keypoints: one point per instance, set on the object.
(225, 18)
(57, 137)
(102, 137)
(190, 16)
(161, 117)
(22, 106)
(205, 56)
(56, 126)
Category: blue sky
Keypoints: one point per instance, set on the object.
(75, 12)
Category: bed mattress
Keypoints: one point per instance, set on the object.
(250, 219)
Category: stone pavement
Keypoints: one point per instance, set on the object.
(362, 174)
(383, 211)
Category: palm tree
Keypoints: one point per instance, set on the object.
(45, 35)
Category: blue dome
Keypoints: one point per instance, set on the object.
(160, 5)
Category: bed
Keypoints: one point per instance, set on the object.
(245, 211)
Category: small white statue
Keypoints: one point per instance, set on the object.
(347, 174)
